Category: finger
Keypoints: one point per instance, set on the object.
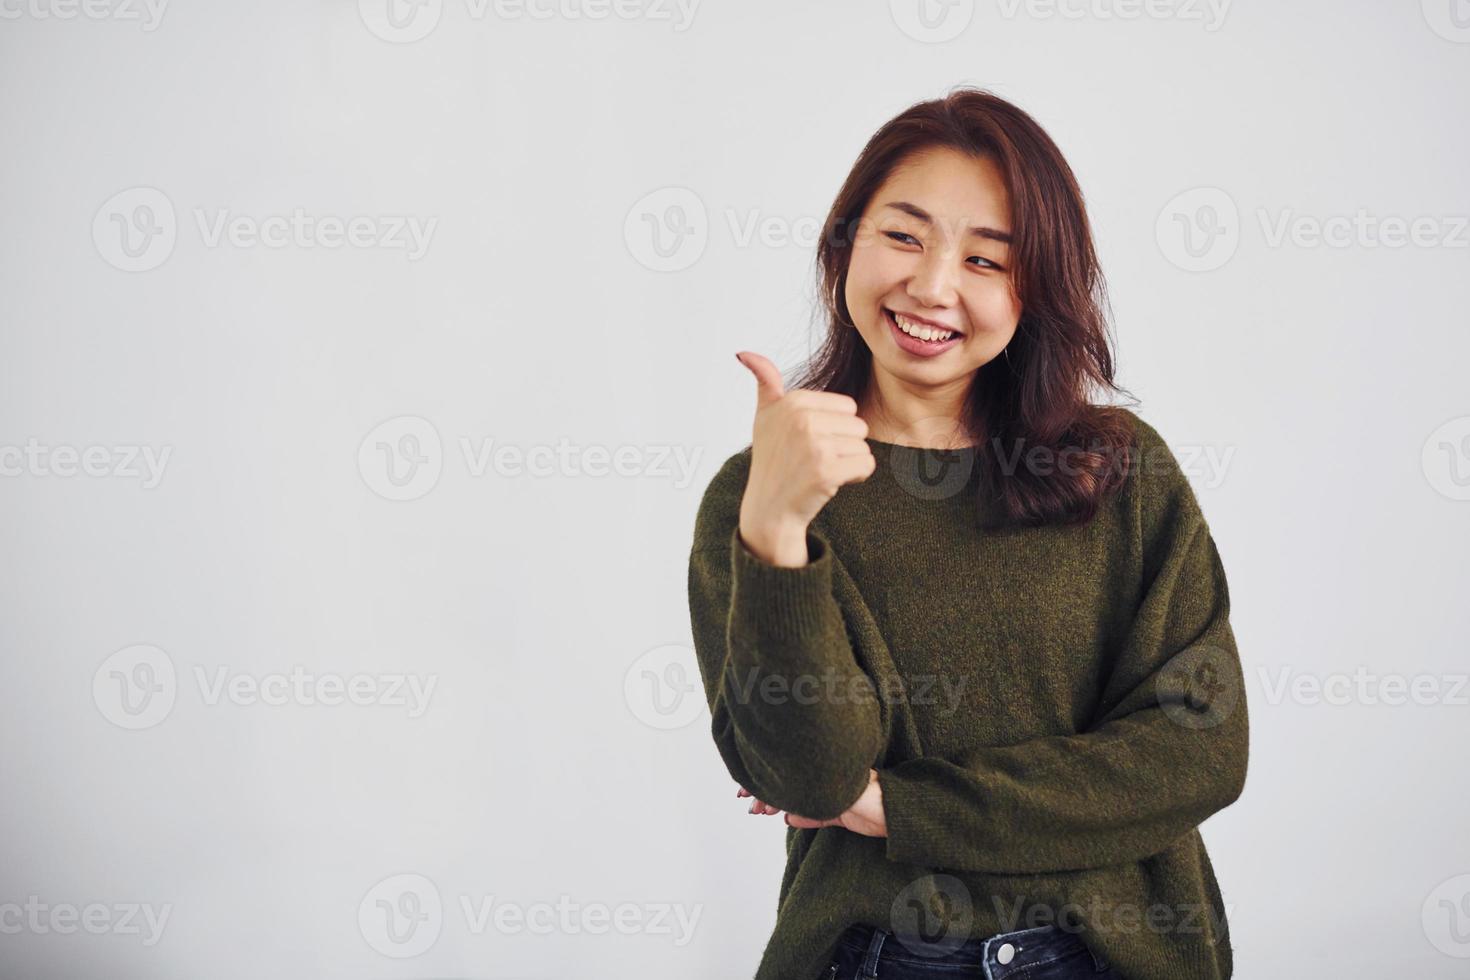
(804, 823)
(835, 425)
(823, 401)
(741, 791)
(853, 468)
(767, 378)
(849, 446)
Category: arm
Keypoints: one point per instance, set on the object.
(1170, 751)
(794, 717)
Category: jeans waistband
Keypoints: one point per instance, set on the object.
(1000, 955)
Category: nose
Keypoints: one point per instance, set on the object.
(934, 284)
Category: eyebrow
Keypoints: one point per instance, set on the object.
(980, 232)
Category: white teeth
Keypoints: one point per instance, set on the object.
(915, 329)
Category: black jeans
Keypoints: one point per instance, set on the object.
(1042, 953)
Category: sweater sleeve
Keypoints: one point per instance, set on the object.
(1169, 750)
(794, 717)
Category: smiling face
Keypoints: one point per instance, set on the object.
(933, 256)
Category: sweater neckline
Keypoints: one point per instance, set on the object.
(926, 449)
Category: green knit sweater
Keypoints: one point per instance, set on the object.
(1052, 711)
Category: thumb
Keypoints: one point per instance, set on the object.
(768, 380)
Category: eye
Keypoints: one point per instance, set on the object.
(899, 237)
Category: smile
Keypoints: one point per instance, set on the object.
(918, 338)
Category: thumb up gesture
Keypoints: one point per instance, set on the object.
(805, 445)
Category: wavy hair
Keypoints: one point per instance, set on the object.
(1039, 393)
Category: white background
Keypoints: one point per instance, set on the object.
(1331, 378)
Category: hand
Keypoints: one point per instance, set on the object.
(805, 445)
(864, 817)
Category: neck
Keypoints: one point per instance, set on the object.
(919, 423)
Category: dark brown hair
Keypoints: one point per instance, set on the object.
(1037, 394)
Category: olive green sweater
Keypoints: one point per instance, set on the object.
(1052, 711)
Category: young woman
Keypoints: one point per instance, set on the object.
(965, 625)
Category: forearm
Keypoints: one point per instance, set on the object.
(795, 718)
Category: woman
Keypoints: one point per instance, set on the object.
(968, 628)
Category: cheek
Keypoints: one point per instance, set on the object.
(875, 270)
(995, 308)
